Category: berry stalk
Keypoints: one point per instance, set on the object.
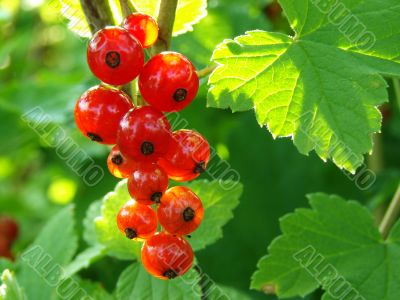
(391, 214)
(165, 22)
(98, 14)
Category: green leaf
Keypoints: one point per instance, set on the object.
(218, 205)
(334, 243)
(320, 87)
(89, 233)
(95, 290)
(107, 231)
(10, 289)
(221, 292)
(41, 266)
(188, 12)
(84, 260)
(136, 283)
(72, 10)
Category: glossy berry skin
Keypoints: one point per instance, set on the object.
(144, 134)
(147, 184)
(137, 221)
(118, 165)
(166, 256)
(143, 27)
(180, 211)
(8, 229)
(115, 56)
(99, 111)
(187, 157)
(169, 81)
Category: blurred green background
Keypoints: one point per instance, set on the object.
(43, 64)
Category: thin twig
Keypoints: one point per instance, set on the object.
(126, 9)
(206, 71)
(98, 14)
(165, 21)
(396, 86)
(391, 214)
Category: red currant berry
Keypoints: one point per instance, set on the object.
(118, 165)
(169, 81)
(115, 56)
(99, 111)
(166, 256)
(144, 134)
(180, 211)
(8, 228)
(147, 183)
(137, 221)
(143, 27)
(187, 157)
(5, 248)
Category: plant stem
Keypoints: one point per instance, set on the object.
(165, 20)
(126, 8)
(391, 214)
(206, 71)
(98, 14)
(396, 86)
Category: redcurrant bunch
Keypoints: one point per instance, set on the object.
(144, 150)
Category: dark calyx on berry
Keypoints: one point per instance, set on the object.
(147, 148)
(130, 233)
(156, 197)
(94, 137)
(117, 159)
(113, 59)
(180, 95)
(200, 168)
(188, 214)
(170, 274)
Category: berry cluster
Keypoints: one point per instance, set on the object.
(8, 234)
(145, 150)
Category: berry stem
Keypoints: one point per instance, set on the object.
(396, 86)
(98, 14)
(126, 8)
(206, 71)
(391, 214)
(165, 22)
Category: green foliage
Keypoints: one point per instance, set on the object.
(136, 283)
(336, 238)
(10, 289)
(317, 87)
(83, 260)
(40, 265)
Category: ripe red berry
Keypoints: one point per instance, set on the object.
(166, 256)
(115, 56)
(169, 81)
(5, 250)
(118, 165)
(147, 183)
(144, 134)
(180, 211)
(143, 27)
(137, 221)
(187, 157)
(99, 111)
(8, 228)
